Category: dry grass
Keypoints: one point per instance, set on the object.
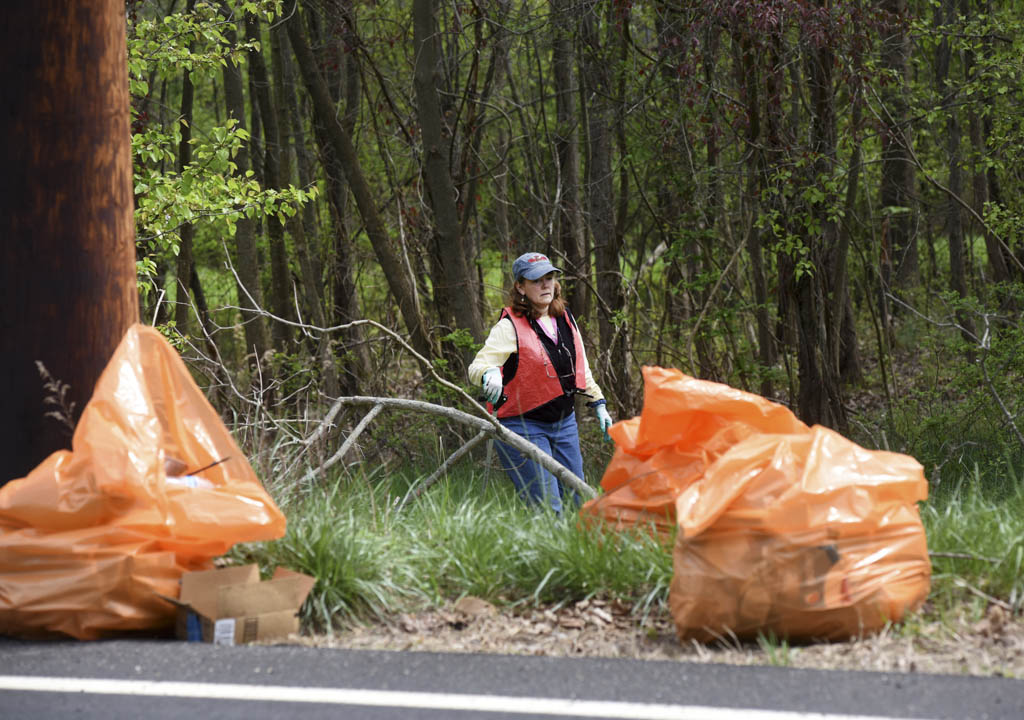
(993, 645)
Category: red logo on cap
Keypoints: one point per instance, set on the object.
(536, 258)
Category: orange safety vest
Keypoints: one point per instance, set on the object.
(534, 382)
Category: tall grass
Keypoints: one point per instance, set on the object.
(976, 536)
(460, 538)
(470, 535)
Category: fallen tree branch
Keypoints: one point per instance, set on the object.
(491, 427)
(347, 445)
(439, 473)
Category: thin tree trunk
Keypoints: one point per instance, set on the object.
(391, 264)
(820, 397)
(288, 131)
(596, 76)
(280, 285)
(946, 16)
(183, 274)
(897, 179)
(755, 171)
(455, 261)
(979, 178)
(566, 139)
(250, 293)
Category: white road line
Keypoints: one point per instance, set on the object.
(419, 700)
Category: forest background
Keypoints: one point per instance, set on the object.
(820, 202)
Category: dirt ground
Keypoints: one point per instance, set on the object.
(993, 645)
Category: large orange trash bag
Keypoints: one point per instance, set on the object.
(779, 528)
(806, 536)
(91, 536)
(685, 425)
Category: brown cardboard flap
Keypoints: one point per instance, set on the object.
(285, 593)
(200, 589)
(306, 582)
(268, 626)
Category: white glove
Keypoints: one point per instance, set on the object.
(604, 419)
(492, 385)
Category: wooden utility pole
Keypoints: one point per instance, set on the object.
(67, 264)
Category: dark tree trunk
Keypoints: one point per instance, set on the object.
(998, 267)
(749, 71)
(601, 119)
(183, 274)
(457, 279)
(394, 272)
(566, 138)
(68, 288)
(280, 278)
(300, 225)
(250, 293)
(289, 129)
(338, 23)
(820, 399)
(897, 181)
(946, 15)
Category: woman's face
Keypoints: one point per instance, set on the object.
(540, 291)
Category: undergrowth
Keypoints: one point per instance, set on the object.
(470, 535)
(463, 537)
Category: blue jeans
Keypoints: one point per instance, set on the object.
(561, 441)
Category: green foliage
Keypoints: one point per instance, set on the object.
(976, 534)
(459, 538)
(776, 650)
(462, 339)
(207, 190)
(959, 417)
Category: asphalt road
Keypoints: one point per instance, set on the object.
(156, 679)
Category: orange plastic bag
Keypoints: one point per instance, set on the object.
(685, 425)
(91, 536)
(782, 528)
(804, 536)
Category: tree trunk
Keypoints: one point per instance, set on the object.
(68, 289)
(391, 264)
(302, 224)
(183, 274)
(250, 293)
(820, 398)
(601, 117)
(998, 268)
(280, 278)
(748, 70)
(897, 179)
(457, 281)
(338, 22)
(566, 139)
(946, 13)
(289, 127)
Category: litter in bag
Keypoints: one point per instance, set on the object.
(153, 486)
(685, 425)
(781, 528)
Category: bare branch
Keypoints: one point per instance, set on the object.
(439, 473)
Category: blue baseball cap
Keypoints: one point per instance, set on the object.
(531, 266)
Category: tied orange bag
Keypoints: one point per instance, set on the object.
(91, 537)
(782, 528)
(805, 536)
(684, 426)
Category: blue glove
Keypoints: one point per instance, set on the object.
(604, 419)
(492, 385)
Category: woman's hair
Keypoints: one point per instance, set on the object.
(521, 305)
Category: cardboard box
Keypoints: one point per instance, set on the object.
(231, 606)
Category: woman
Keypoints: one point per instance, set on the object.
(531, 367)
